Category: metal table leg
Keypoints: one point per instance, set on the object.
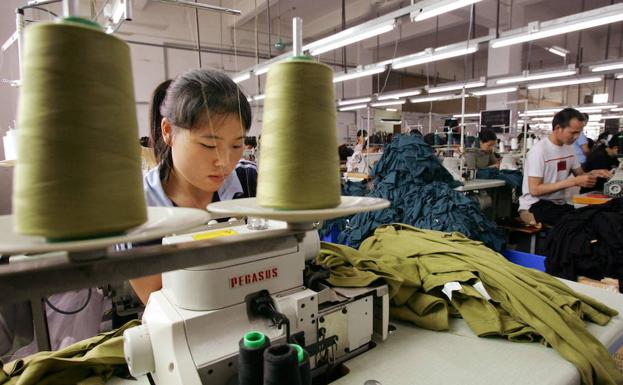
(40, 321)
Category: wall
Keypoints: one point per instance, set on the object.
(8, 95)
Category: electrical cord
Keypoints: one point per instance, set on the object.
(70, 312)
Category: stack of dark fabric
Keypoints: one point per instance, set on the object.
(588, 242)
(421, 192)
(513, 178)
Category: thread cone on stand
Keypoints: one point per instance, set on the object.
(79, 170)
(251, 358)
(299, 164)
(281, 365)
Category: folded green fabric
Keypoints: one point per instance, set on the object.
(88, 362)
(432, 275)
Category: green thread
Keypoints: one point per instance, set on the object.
(299, 165)
(300, 353)
(254, 339)
(79, 170)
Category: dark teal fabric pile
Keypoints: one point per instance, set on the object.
(421, 192)
(513, 178)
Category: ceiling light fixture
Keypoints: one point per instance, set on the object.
(359, 73)
(344, 102)
(399, 94)
(556, 50)
(456, 86)
(350, 36)
(390, 103)
(607, 66)
(568, 82)
(540, 30)
(434, 54)
(438, 7)
(527, 76)
(493, 91)
(355, 107)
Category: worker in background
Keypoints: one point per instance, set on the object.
(547, 171)
(581, 144)
(198, 144)
(250, 143)
(362, 138)
(604, 156)
(484, 156)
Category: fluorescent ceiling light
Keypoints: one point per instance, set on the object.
(259, 97)
(596, 107)
(241, 77)
(385, 62)
(430, 55)
(539, 30)
(458, 116)
(548, 111)
(345, 102)
(619, 76)
(391, 109)
(603, 117)
(607, 67)
(390, 103)
(350, 36)
(439, 7)
(536, 76)
(558, 51)
(544, 119)
(205, 7)
(568, 82)
(493, 91)
(587, 109)
(355, 107)
(343, 76)
(617, 109)
(399, 94)
(434, 98)
(456, 86)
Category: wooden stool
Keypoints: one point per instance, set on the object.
(530, 230)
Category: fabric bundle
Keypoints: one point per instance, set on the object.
(588, 242)
(88, 362)
(421, 192)
(432, 275)
(513, 178)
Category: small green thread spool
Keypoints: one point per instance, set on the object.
(79, 170)
(299, 165)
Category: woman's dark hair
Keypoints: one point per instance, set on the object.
(192, 98)
(363, 133)
(250, 141)
(155, 118)
(486, 135)
(606, 140)
(144, 141)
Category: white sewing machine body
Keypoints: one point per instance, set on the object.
(614, 186)
(191, 327)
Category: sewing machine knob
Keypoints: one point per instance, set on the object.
(138, 351)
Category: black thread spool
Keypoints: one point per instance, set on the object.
(251, 358)
(304, 366)
(281, 366)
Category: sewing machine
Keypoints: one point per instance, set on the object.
(614, 186)
(191, 327)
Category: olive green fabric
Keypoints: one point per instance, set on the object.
(525, 304)
(88, 362)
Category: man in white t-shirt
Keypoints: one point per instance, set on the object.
(547, 171)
